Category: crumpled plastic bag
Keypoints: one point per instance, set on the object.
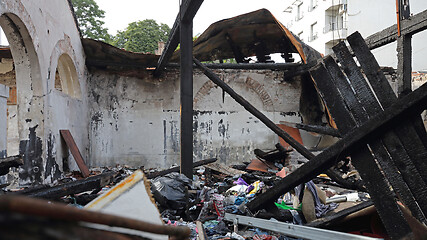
(169, 190)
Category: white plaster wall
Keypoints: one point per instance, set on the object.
(136, 121)
(48, 24)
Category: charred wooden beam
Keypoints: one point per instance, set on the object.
(187, 12)
(176, 169)
(411, 26)
(250, 66)
(410, 105)
(238, 55)
(74, 187)
(319, 129)
(186, 92)
(71, 144)
(404, 64)
(6, 163)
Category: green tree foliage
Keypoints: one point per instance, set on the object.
(90, 16)
(142, 36)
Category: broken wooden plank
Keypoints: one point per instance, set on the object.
(176, 169)
(201, 231)
(69, 140)
(331, 219)
(74, 187)
(6, 163)
(224, 169)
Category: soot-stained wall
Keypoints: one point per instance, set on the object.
(135, 121)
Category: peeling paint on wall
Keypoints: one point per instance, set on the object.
(136, 121)
(52, 171)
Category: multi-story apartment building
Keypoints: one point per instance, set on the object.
(323, 23)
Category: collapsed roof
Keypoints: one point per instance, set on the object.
(256, 33)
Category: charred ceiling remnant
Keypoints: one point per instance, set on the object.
(105, 57)
(256, 33)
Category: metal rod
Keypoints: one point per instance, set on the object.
(37, 207)
(292, 229)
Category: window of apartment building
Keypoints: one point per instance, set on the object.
(313, 32)
(312, 5)
(300, 36)
(300, 13)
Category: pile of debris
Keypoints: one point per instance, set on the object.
(212, 204)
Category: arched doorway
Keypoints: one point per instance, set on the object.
(29, 94)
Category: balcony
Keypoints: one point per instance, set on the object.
(334, 35)
(334, 5)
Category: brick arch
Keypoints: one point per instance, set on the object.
(249, 82)
(64, 48)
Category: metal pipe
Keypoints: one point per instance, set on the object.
(293, 230)
(37, 207)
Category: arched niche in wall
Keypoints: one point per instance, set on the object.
(66, 78)
(20, 34)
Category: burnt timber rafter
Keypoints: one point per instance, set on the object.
(249, 66)
(188, 10)
(413, 25)
(410, 105)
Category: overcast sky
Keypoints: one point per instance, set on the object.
(118, 14)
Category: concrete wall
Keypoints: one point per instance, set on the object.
(39, 32)
(136, 121)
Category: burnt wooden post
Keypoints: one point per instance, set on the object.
(404, 50)
(186, 92)
(182, 31)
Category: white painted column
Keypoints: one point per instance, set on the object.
(4, 94)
